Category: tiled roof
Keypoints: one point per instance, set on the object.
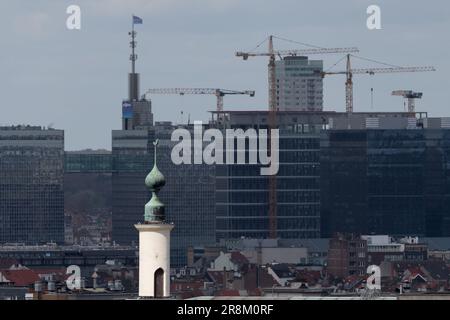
(20, 278)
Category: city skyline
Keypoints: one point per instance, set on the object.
(240, 151)
(189, 44)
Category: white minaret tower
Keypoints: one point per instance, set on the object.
(154, 242)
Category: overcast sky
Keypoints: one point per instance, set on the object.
(76, 80)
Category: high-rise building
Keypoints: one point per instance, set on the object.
(132, 152)
(189, 190)
(136, 114)
(136, 111)
(386, 181)
(242, 192)
(190, 195)
(88, 161)
(299, 84)
(332, 167)
(31, 185)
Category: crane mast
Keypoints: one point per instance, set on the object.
(349, 87)
(272, 77)
(272, 125)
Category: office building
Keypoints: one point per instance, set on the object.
(136, 110)
(299, 84)
(189, 190)
(88, 161)
(132, 153)
(190, 195)
(242, 193)
(386, 181)
(385, 248)
(31, 185)
(320, 184)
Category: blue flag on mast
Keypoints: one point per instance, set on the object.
(137, 20)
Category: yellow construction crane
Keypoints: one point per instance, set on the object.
(349, 72)
(219, 93)
(272, 53)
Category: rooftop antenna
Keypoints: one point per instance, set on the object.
(133, 78)
(133, 43)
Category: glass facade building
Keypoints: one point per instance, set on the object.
(88, 161)
(132, 156)
(242, 193)
(394, 182)
(368, 173)
(188, 195)
(31, 185)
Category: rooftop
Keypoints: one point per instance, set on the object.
(24, 128)
(20, 278)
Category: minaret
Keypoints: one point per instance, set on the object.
(154, 241)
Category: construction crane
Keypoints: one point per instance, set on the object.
(219, 93)
(411, 97)
(349, 72)
(272, 53)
